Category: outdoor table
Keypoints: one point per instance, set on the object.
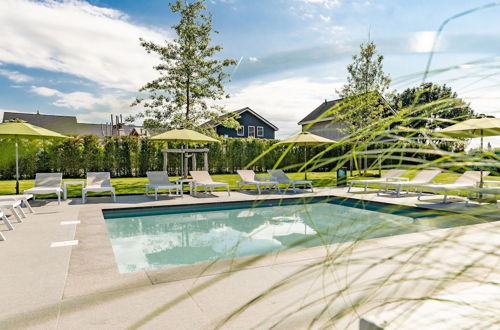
(190, 182)
(66, 183)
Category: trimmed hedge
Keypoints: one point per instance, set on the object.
(132, 157)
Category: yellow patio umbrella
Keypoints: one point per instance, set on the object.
(474, 128)
(306, 139)
(18, 130)
(184, 135)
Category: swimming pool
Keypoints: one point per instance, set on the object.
(162, 237)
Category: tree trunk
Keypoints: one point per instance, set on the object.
(188, 98)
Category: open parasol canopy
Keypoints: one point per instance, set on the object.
(306, 139)
(25, 130)
(474, 128)
(184, 135)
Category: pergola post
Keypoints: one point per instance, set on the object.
(205, 161)
(165, 161)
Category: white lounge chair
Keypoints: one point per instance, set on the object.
(203, 179)
(282, 178)
(394, 175)
(248, 178)
(23, 198)
(159, 180)
(47, 183)
(423, 177)
(489, 188)
(14, 207)
(466, 181)
(98, 182)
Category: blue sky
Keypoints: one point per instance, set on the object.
(83, 57)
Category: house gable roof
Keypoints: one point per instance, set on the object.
(240, 112)
(68, 124)
(327, 105)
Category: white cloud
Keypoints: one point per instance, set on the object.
(422, 42)
(326, 3)
(44, 91)
(15, 76)
(283, 102)
(77, 38)
(325, 18)
(106, 103)
(253, 59)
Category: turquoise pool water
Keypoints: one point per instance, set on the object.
(167, 237)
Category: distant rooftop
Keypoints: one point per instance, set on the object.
(70, 125)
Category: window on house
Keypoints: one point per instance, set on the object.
(251, 131)
(260, 131)
(240, 131)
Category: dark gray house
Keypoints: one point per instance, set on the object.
(251, 125)
(322, 123)
(70, 125)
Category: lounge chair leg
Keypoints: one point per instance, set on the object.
(14, 213)
(21, 212)
(366, 187)
(28, 206)
(445, 198)
(2, 238)
(258, 189)
(58, 198)
(156, 194)
(7, 222)
(349, 188)
(398, 192)
(228, 192)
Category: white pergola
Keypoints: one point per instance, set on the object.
(186, 154)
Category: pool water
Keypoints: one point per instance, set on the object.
(171, 236)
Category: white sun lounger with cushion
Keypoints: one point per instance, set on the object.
(47, 183)
(98, 182)
(159, 180)
(248, 178)
(423, 177)
(282, 178)
(394, 175)
(203, 179)
(466, 181)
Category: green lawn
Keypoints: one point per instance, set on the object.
(131, 186)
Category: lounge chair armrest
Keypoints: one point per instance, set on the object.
(263, 178)
(490, 183)
(397, 178)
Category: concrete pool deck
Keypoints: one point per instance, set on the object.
(70, 286)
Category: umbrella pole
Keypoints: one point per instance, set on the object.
(17, 166)
(305, 162)
(481, 169)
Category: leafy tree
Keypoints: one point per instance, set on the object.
(190, 75)
(363, 103)
(366, 84)
(429, 107)
(432, 106)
